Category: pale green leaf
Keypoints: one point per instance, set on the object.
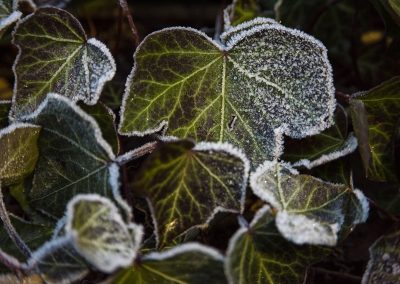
(56, 56)
(8, 14)
(18, 151)
(384, 264)
(187, 184)
(74, 157)
(264, 82)
(100, 235)
(185, 264)
(259, 254)
(309, 210)
(375, 116)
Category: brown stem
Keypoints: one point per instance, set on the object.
(127, 14)
(10, 262)
(137, 153)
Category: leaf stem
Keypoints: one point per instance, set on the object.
(136, 153)
(127, 14)
(19, 243)
(10, 262)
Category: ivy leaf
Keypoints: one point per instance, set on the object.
(8, 14)
(188, 263)
(18, 151)
(4, 110)
(375, 128)
(53, 3)
(383, 266)
(99, 233)
(70, 64)
(395, 5)
(74, 157)
(240, 11)
(333, 140)
(310, 211)
(265, 78)
(105, 117)
(174, 178)
(259, 254)
(59, 262)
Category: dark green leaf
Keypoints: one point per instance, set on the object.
(56, 56)
(4, 110)
(240, 11)
(309, 210)
(74, 157)
(375, 116)
(8, 14)
(185, 264)
(18, 151)
(384, 264)
(259, 254)
(187, 184)
(265, 78)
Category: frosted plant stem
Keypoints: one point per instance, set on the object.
(20, 244)
(127, 14)
(11, 262)
(136, 153)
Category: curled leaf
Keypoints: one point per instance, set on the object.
(310, 211)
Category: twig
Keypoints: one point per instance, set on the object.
(337, 273)
(136, 153)
(382, 210)
(127, 14)
(19, 243)
(11, 262)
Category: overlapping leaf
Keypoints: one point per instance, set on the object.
(240, 11)
(18, 151)
(188, 263)
(376, 127)
(8, 13)
(56, 56)
(309, 210)
(265, 77)
(259, 254)
(100, 235)
(74, 157)
(384, 263)
(186, 184)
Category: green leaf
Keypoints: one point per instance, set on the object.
(395, 5)
(56, 56)
(18, 151)
(240, 11)
(310, 211)
(311, 148)
(187, 184)
(74, 157)
(259, 254)
(375, 116)
(4, 110)
(105, 117)
(8, 14)
(100, 235)
(383, 266)
(265, 82)
(59, 262)
(188, 263)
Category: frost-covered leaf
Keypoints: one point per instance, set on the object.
(18, 151)
(187, 184)
(265, 77)
(4, 110)
(100, 235)
(105, 117)
(334, 140)
(59, 262)
(53, 3)
(56, 56)
(384, 264)
(259, 254)
(8, 14)
(188, 263)
(375, 121)
(309, 210)
(74, 157)
(240, 11)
